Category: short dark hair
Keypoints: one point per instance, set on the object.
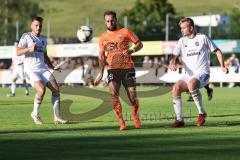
(37, 18)
(189, 20)
(113, 13)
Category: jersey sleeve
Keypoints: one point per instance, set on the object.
(210, 44)
(132, 36)
(23, 41)
(178, 48)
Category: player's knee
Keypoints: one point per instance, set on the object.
(41, 91)
(176, 90)
(192, 87)
(193, 84)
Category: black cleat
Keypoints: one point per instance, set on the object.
(210, 94)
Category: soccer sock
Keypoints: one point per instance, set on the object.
(136, 116)
(13, 88)
(37, 103)
(177, 105)
(197, 97)
(26, 89)
(56, 104)
(118, 109)
(207, 87)
(135, 110)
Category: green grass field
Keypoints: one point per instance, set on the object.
(66, 16)
(100, 138)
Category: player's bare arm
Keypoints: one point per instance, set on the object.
(101, 67)
(138, 46)
(22, 51)
(220, 58)
(47, 61)
(172, 63)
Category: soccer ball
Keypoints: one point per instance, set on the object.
(85, 33)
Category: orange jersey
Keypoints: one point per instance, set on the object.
(114, 44)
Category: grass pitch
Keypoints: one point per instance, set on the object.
(100, 138)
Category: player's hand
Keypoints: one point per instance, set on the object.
(98, 79)
(172, 67)
(33, 47)
(225, 70)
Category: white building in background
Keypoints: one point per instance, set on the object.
(210, 20)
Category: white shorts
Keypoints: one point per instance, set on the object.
(18, 73)
(202, 77)
(43, 75)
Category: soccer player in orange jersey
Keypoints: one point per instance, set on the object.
(115, 49)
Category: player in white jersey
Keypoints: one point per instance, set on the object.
(17, 72)
(33, 46)
(194, 49)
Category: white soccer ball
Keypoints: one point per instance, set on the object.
(85, 33)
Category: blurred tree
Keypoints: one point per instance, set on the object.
(233, 28)
(12, 11)
(148, 18)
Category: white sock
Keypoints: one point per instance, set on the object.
(197, 97)
(13, 88)
(177, 105)
(37, 103)
(26, 88)
(56, 104)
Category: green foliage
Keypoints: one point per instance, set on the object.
(147, 18)
(12, 11)
(234, 29)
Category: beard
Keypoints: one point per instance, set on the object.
(113, 28)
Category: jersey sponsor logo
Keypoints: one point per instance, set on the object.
(111, 46)
(193, 54)
(119, 36)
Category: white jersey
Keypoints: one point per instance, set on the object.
(195, 53)
(33, 60)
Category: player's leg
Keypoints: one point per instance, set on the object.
(22, 77)
(194, 87)
(26, 87)
(13, 84)
(132, 96)
(38, 84)
(114, 83)
(209, 92)
(40, 91)
(53, 86)
(114, 88)
(178, 88)
(13, 88)
(129, 83)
